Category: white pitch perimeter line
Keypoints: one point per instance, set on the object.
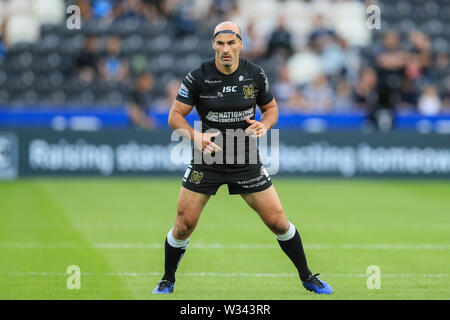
(219, 274)
(242, 246)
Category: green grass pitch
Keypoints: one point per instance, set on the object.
(114, 230)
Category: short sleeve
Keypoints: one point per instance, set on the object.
(264, 94)
(188, 91)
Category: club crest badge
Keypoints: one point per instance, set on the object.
(248, 91)
(196, 177)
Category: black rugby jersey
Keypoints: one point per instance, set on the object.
(224, 101)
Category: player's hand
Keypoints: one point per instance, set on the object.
(202, 142)
(256, 128)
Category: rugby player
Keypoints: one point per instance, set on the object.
(220, 85)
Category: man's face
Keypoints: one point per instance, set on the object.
(391, 41)
(227, 47)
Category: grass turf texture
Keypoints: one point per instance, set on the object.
(114, 230)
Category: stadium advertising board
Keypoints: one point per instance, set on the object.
(128, 152)
(8, 155)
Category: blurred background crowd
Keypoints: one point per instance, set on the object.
(321, 56)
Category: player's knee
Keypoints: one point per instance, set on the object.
(280, 228)
(183, 227)
(278, 224)
(182, 230)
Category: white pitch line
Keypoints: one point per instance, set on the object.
(229, 274)
(241, 246)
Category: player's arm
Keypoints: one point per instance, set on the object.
(269, 118)
(269, 115)
(177, 122)
(267, 105)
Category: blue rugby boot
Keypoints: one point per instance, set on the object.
(316, 285)
(164, 287)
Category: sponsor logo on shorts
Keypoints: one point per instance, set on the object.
(196, 177)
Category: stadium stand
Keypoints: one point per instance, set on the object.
(42, 62)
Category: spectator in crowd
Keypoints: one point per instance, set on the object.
(441, 68)
(414, 69)
(343, 101)
(138, 63)
(131, 9)
(2, 27)
(107, 10)
(338, 59)
(420, 50)
(171, 92)
(446, 97)
(184, 18)
(331, 54)
(304, 66)
(441, 76)
(417, 65)
(156, 7)
(86, 62)
(222, 9)
(366, 94)
(85, 9)
(153, 9)
(409, 94)
(390, 64)
(138, 108)
(319, 29)
(254, 46)
(429, 102)
(280, 42)
(103, 9)
(319, 95)
(112, 67)
(351, 62)
(2, 53)
(284, 89)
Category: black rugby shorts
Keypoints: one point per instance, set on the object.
(207, 179)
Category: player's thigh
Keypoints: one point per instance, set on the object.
(189, 207)
(268, 206)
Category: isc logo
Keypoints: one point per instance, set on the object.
(229, 89)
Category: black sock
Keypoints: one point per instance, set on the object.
(172, 259)
(294, 250)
